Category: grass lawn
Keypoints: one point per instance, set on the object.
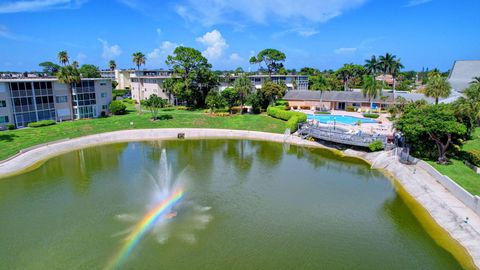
(13, 141)
(459, 172)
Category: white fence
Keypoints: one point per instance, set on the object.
(473, 202)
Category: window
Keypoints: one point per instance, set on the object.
(103, 83)
(103, 94)
(104, 107)
(61, 99)
(3, 103)
(3, 119)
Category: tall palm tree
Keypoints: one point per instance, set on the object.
(434, 73)
(385, 63)
(243, 86)
(372, 66)
(438, 87)
(75, 64)
(69, 76)
(475, 80)
(112, 65)
(63, 57)
(139, 59)
(395, 69)
(371, 88)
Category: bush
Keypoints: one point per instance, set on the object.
(42, 123)
(280, 113)
(371, 115)
(128, 101)
(119, 93)
(474, 157)
(323, 113)
(281, 102)
(375, 146)
(10, 126)
(117, 107)
(183, 108)
(350, 109)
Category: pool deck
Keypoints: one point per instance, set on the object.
(445, 209)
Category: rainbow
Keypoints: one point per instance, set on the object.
(142, 227)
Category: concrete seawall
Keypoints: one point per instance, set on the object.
(442, 205)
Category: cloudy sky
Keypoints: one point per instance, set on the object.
(318, 33)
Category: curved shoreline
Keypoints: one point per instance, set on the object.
(438, 210)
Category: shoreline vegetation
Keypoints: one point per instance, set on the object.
(440, 234)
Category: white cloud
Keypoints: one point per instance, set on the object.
(6, 33)
(109, 52)
(159, 31)
(216, 44)
(345, 50)
(212, 12)
(235, 57)
(413, 3)
(166, 48)
(38, 5)
(303, 32)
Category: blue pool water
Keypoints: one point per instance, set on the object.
(348, 120)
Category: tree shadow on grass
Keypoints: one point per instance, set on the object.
(165, 117)
(7, 137)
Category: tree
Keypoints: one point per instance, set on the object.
(270, 92)
(90, 71)
(243, 86)
(273, 60)
(386, 63)
(467, 109)
(395, 68)
(154, 103)
(195, 78)
(112, 65)
(372, 66)
(138, 59)
(230, 95)
(49, 67)
(214, 100)
(75, 64)
(475, 80)
(318, 83)
(371, 88)
(294, 83)
(63, 57)
(117, 107)
(348, 72)
(431, 123)
(438, 87)
(238, 71)
(69, 75)
(309, 71)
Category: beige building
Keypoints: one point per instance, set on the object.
(27, 100)
(145, 83)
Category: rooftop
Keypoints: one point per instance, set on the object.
(462, 74)
(347, 96)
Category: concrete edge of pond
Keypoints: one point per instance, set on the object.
(439, 211)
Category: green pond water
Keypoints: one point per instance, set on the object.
(247, 205)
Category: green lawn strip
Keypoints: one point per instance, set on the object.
(13, 141)
(461, 174)
(474, 143)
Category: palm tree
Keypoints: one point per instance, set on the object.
(475, 80)
(139, 59)
(372, 66)
(371, 88)
(435, 73)
(63, 57)
(243, 86)
(385, 63)
(75, 64)
(69, 76)
(112, 65)
(438, 87)
(395, 69)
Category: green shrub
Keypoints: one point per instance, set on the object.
(183, 108)
(350, 109)
(10, 126)
(128, 101)
(119, 93)
(42, 123)
(375, 146)
(280, 113)
(474, 157)
(117, 107)
(371, 115)
(281, 102)
(323, 113)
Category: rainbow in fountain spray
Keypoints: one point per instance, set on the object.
(144, 226)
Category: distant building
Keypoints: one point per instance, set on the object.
(144, 83)
(340, 100)
(293, 82)
(27, 100)
(463, 73)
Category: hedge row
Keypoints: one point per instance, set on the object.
(42, 123)
(371, 115)
(292, 118)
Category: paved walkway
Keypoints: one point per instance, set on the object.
(446, 209)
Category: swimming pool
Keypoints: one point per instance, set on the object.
(342, 119)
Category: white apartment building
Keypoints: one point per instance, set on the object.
(26, 100)
(145, 83)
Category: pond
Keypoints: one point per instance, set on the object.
(245, 205)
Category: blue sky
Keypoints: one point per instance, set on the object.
(318, 33)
